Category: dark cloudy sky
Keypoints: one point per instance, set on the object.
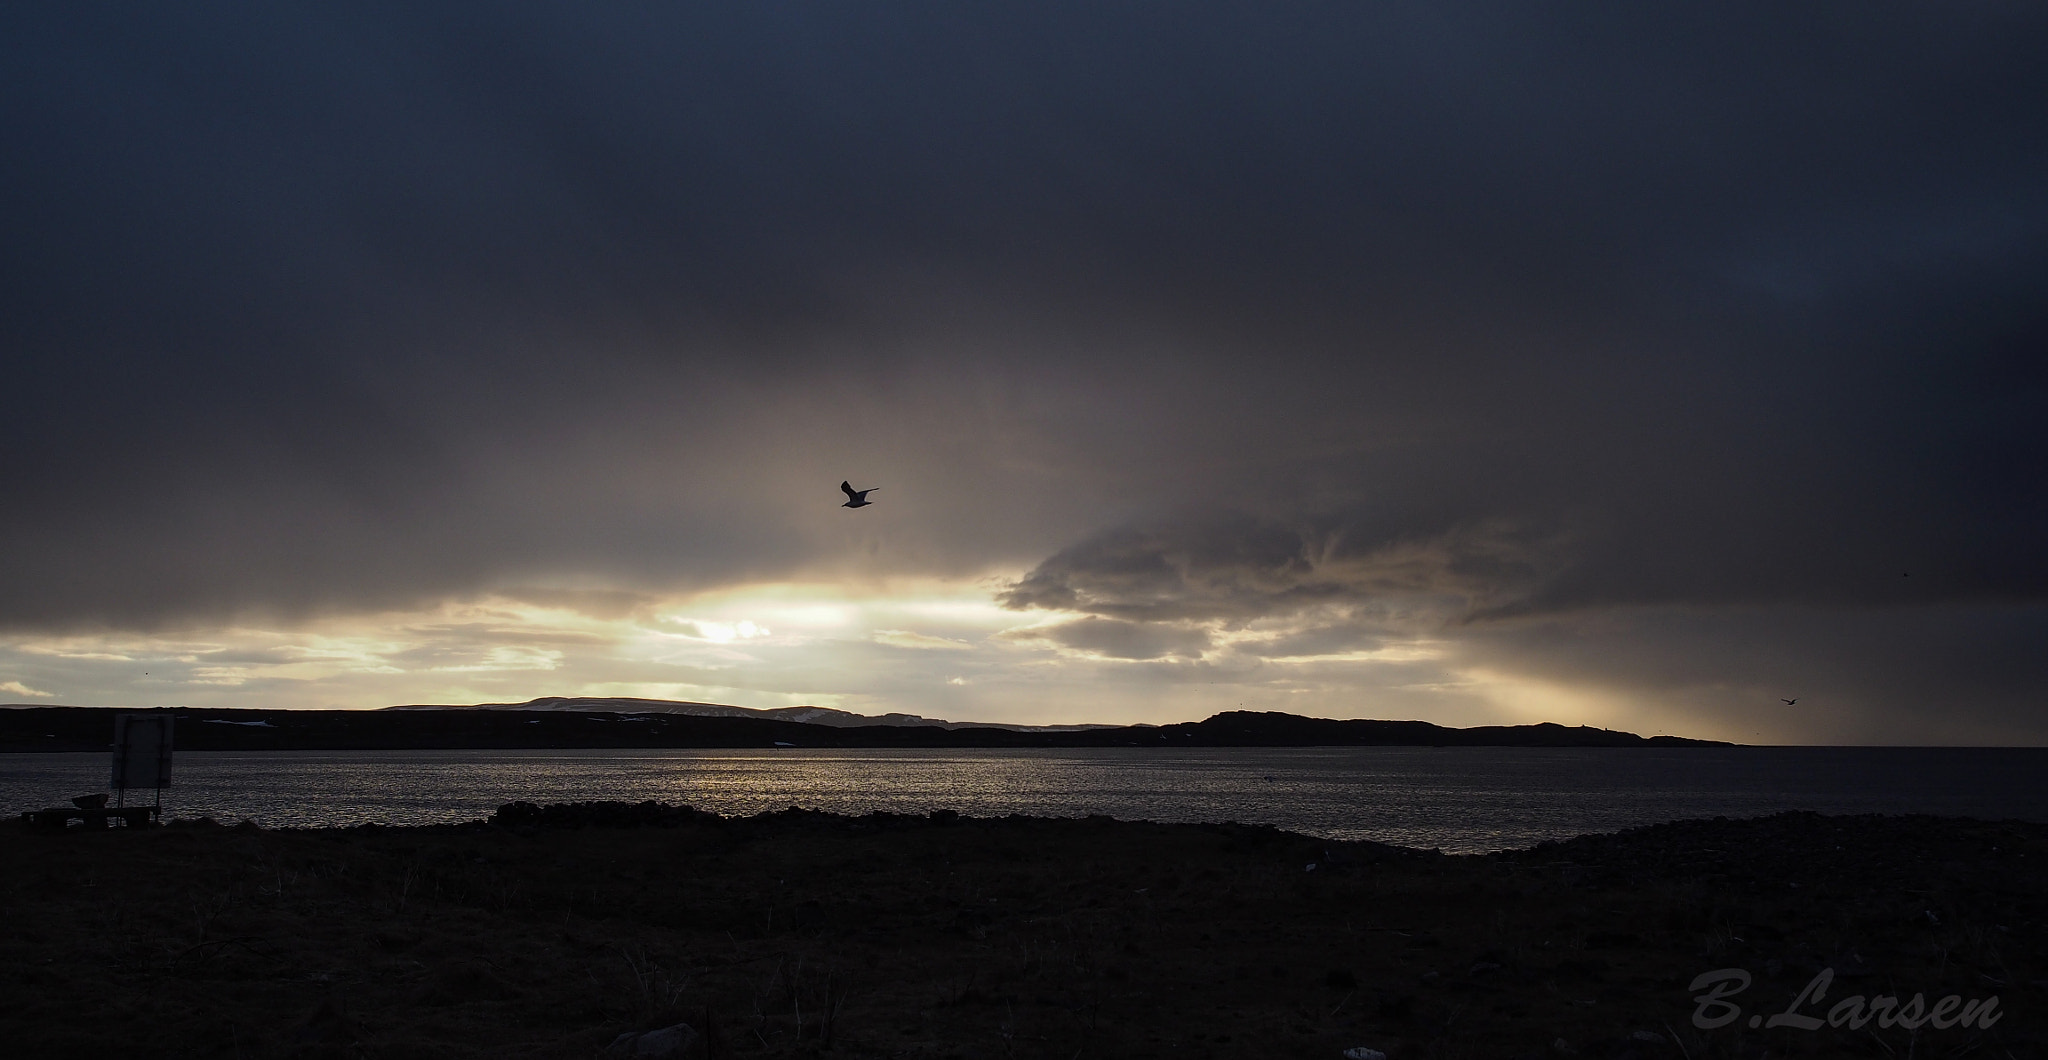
(1630, 364)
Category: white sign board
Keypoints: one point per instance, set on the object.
(142, 750)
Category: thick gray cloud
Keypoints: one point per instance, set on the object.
(1124, 640)
(1479, 312)
(1234, 567)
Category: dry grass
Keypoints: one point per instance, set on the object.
(800, 934)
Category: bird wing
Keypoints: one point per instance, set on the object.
(847, 488)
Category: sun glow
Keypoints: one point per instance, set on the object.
(1522, 699)
(941, 648)
(718, 632)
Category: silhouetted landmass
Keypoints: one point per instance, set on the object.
(809, 714)
(203, 729)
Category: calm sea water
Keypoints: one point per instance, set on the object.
(1459, 799)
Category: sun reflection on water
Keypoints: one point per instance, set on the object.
(1461, 800)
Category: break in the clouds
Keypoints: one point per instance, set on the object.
(1460, 361)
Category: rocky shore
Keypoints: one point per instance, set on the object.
(552, 931)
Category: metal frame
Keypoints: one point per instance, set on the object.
(142, 754)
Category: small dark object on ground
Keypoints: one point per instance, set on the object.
(59, 818)
(669, 1043)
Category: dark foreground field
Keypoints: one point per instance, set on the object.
(549, 934)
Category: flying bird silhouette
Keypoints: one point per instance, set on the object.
(856, 498)
(1788, 702)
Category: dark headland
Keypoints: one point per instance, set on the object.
(625, 723)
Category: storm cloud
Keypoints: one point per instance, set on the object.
(1238, 568)
(1194, 323)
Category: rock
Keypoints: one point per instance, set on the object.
(1851, 965)
(460, 982)
(89, 802)
(668, 1043)
(1581, 968)
(327, 1024)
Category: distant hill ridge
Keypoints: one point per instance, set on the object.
(548, 723)
(807, 715)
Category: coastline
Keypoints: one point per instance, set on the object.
(35, 728)
(552, 931)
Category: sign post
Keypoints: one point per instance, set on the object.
(142, 754)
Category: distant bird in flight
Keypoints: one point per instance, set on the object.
(856, 498)
(1788, 702)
